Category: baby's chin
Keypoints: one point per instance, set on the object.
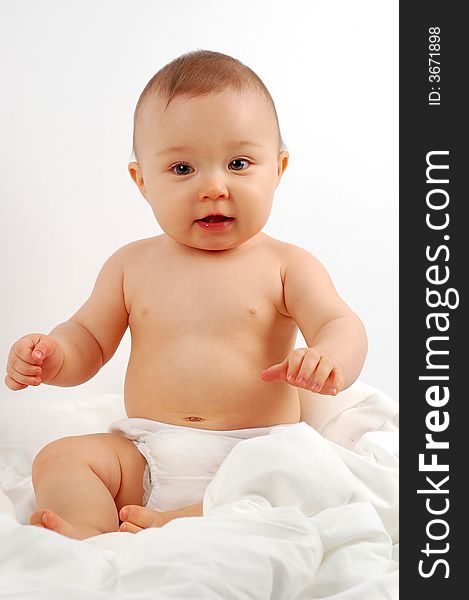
(215, 244)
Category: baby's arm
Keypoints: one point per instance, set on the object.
(91, 336)
(74, 351)
(336, 338)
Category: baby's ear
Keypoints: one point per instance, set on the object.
(136, 174)
(283, 158)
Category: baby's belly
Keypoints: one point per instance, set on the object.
(208, 386)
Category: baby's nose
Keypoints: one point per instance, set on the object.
(213, 189)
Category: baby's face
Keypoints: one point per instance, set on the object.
(209, 166)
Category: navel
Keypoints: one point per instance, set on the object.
(253, 310)
(194, 419)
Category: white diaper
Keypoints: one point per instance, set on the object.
(181, 460)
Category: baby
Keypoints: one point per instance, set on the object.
(213, 305)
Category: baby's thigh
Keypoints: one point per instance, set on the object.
(112, 457)
(132, 465)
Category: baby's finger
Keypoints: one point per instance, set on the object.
(309, 364)
(23, 349)
(275, 372)
(320, 375)
(25, 368)
(295, 360)
(44, 348)
(23, 379)
(13, 385)
(334, 383)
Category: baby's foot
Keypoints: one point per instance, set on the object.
(51, 520)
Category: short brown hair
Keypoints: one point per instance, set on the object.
(198, 73)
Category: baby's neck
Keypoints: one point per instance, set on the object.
(247, 245)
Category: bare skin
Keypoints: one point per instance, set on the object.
(213, 314)
(134, 519)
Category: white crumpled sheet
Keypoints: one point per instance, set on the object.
(290, 515)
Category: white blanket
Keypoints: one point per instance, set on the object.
(290, 515)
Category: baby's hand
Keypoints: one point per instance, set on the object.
(33, 359)
(310, 369)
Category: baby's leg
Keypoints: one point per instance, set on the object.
(85, 480)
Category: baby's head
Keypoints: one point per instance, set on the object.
(207, 142)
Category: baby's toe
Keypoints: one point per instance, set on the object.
(36, 518)
(51, 520)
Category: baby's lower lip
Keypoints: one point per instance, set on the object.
(216, 226)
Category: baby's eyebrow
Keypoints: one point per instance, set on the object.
(244, 143)
(190, 149)
(173, 149)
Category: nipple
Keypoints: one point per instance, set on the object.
(253, 310)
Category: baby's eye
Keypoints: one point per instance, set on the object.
(180, 169)
(238, 164)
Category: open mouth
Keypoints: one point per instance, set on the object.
(215, 219)
(214, 223)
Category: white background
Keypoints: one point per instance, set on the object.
(71, 74)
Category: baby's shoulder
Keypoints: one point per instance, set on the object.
(290, 254)
(137, 251)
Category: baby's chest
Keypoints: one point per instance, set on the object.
(208, 301)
